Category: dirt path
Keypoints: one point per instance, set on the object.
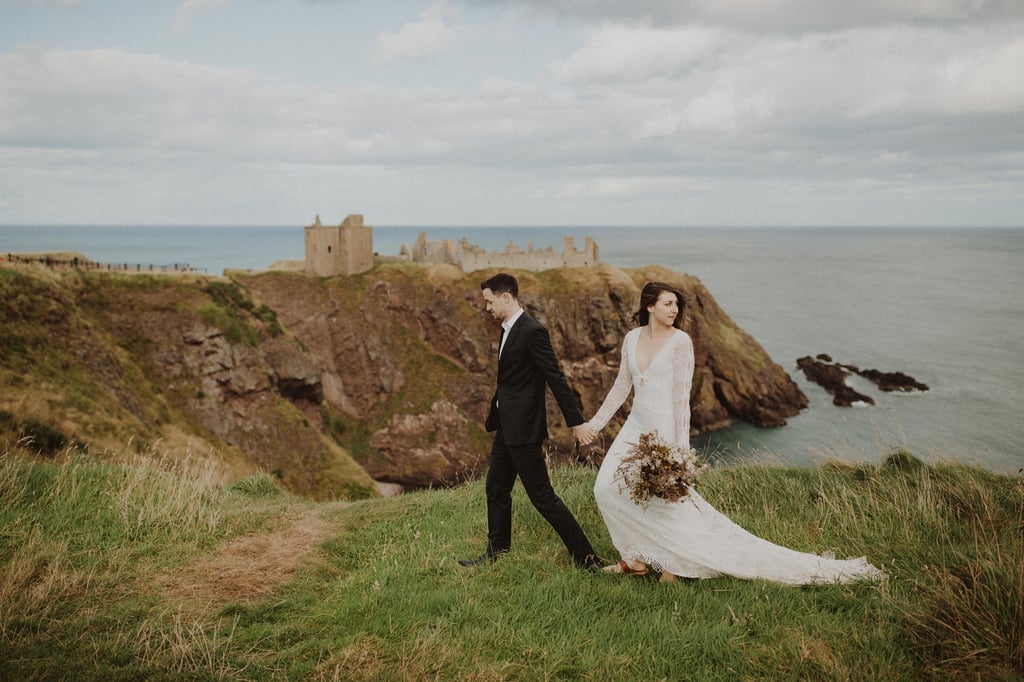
(249, 567)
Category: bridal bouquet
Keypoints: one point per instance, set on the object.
(654, 468)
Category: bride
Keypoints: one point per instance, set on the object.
(689, 538)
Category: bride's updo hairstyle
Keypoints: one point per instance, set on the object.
(649, 296)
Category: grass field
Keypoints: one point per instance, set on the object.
(149, 567)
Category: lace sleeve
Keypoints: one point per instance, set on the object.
(682, 381)
(616, 395)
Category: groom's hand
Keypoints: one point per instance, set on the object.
(583, 434)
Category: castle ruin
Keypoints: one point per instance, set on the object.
(471, 257)
(345, 249)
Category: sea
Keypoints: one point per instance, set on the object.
(943, 305)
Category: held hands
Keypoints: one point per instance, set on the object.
(584, 433)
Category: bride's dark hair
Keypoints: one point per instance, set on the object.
(649, 296)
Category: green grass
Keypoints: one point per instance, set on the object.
(382, 598)
(231, 309)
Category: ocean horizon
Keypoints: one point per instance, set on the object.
(942, 305)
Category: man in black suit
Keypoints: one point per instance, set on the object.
(517, 415)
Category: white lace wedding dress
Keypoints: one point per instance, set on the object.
(688, 538)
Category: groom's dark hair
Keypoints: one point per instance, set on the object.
(501, 283)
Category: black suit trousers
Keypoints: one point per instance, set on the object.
(527, 462)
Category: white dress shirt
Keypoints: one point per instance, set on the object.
(506, 326)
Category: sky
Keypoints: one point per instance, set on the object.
(514, 112)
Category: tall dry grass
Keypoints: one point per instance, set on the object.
(68, 529)
(385, 600)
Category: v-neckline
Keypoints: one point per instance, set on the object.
(654, 357)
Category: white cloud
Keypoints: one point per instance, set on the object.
(83, 99)
(427, 36)
(615, 52)
(608, 122)
(778, 15)
(189, 8)
(690, 79)
(112, 98)
(41, 3)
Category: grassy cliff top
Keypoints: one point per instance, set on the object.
(148, 569)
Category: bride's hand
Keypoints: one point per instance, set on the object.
(584, 433)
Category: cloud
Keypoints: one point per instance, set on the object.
(189, 8)
(628, 123)
(777, 15)
(93, 99)
(429, 35)
(41, 3)
(696, 78)
(621, 53)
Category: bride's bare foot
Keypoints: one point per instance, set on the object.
(627, 567)
(667, 577)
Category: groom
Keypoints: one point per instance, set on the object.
(526, 363)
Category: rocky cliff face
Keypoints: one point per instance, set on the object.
(241, 378)
(292, 374)
(116, 362)
(407, 356)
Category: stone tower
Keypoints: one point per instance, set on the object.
(345, 249)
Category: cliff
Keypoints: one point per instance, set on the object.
(301, 375)
(186, 366)
(407, 356)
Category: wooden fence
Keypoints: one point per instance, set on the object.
(83, 264)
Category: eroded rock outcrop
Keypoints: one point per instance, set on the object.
(234, 370)
(403, 454)
(832, 376)
(890, 382)
(193, 363)
(290, 373)
(408, 353)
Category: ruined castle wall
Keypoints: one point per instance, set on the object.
(322, 248)
(471, 257)
(345, 249)
(534, 261)
(356, 249)
(435, 252)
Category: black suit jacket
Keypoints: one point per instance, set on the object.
(527, 364)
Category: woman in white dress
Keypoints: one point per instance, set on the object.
(688, 538)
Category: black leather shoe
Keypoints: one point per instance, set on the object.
(482, 560)
(591, 563)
